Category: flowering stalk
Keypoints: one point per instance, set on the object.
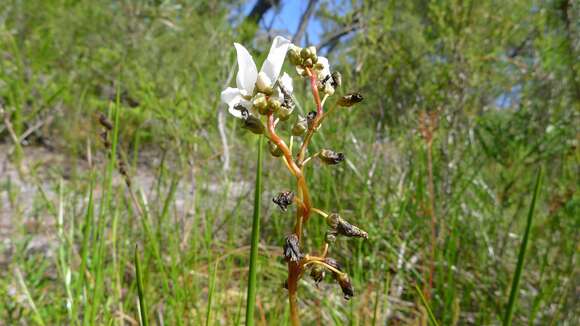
(264, 96)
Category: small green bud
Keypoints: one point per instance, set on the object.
(330, 157)
(274, 150)
(350, 99)
(254, 125)
(300, 127)
(308, 62)
(274, 104)
(305, 53)
(260, 102)
(294, 56)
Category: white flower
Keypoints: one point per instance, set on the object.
(248, 77)
(326, 68)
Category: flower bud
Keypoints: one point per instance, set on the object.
(292, 249)
(260, 103)
(330, 157)
(294, 56)
(305, 53)
(300, 127)
(274, 149)
(284, 199)
(350, 99)
(312, 50)
(274, 104)
(328, 89)
(253, 124)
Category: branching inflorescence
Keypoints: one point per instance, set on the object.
(264, 102)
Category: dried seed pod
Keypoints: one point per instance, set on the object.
(339, 226)
(105, 122)
(300, 127)
(284, 199)
(253, 124)
(350, 99)
(349, 230)
(345, 284)
(274, 149)
(333, 263)
(330, 157)
(317, 273)
(292, 249)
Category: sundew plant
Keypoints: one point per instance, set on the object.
(265, 103)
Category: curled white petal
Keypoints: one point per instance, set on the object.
(247, 71)
(233, 96)
(275, 59)
(326, 67)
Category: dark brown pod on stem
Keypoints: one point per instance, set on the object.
(330, 157)
(284, 199)
(292, 249)
(350, 99)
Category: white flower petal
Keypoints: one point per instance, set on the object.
(286, 81)
(232, 97)
(275, 59)
(326, 70)
(263, 81)
(247, 71)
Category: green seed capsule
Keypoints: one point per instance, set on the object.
(254, 125)
(274, 150)
(300, 127)
(274, 104)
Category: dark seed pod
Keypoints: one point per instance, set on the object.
(345, 284)
(349, 230)
(330, 237)
(292, 249)
(333, 263)
(350, 99)
(339, 226)
(300, 127)
(105, 122)
(254, 125)
(331, 157)
(274, 149)
(284, 199)
(317, 273)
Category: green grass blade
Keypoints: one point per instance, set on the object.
(251, 299)
(140, 290)
(426, 304)
(522, 255)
